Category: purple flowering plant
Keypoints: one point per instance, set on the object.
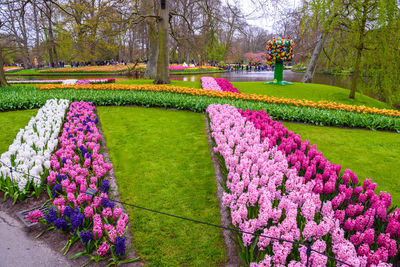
(78, 165)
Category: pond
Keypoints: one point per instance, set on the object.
(260, 76)
(240, 76)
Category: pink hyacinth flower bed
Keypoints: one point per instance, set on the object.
(226, 85)
(218, 84)
(76, 166)
(209, 83)
(95, 81)
(279, 186)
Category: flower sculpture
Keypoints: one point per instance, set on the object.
(279, 50)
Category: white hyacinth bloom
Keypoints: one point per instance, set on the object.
(33, 145)
(70, 81)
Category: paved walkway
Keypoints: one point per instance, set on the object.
(17, 248)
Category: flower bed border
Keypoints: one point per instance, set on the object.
(324, 105)
(23, 97)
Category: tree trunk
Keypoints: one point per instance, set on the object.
(356, 74)
(308, 76)
(360, 48)
(51, 59)
(37, 32)
(162, 76)
(151, 68)
(3, 81)
(152, 47)
(52, 43)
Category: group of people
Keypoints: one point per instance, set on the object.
(249, 67)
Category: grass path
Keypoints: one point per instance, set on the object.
(10, 123)
(162, 161)
(308, 91)
(366, 153)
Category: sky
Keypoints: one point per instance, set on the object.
(263, 18)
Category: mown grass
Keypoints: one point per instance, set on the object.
(367, 153)
(309, 91)
(162, 161)
(10, 124)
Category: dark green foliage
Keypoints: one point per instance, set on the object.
(15, 98)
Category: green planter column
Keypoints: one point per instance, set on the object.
(279, 50)
(278, 72)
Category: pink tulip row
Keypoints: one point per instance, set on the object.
(179, 67)
(35, 81)
(10, 69)
(77, 166)
(90, 81)
(267, 194)
(217, 84)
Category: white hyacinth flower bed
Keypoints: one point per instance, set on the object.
(30, 152)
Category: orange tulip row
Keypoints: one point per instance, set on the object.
(213, 93)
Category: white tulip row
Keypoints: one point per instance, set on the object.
(32, 147)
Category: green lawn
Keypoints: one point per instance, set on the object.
(366, 153)
(308, 91)
(162, 161)
(11, 122)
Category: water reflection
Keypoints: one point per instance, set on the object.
(264, 76)
(241, 76)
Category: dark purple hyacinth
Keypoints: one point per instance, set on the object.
(83, 149)
(76, 221)
(56, 190)
(86, 236)
(67, 211)
(120, 246)
(105, 186)
(61, 224)
(51, 215)
(96, 120)
(61, 177)
(107, 204)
